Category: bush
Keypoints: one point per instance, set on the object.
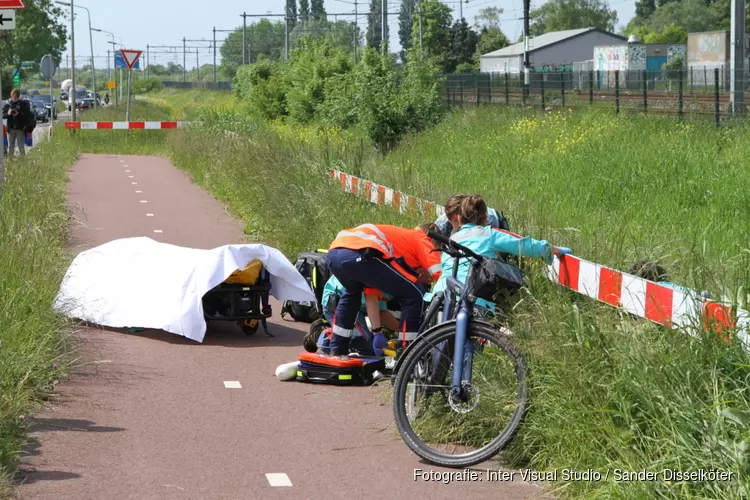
(146, 85)
(263, 87)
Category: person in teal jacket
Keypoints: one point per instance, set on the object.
(475, 234)
(332, 291)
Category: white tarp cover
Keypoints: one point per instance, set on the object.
(139, 282)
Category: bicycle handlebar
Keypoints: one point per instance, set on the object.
(453, 248)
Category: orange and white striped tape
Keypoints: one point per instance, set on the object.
(639, 297)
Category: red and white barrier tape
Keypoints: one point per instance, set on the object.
(642, 298)
(123, 125)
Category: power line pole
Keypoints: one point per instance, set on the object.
(356, 25)
(184, 60)
(419, 13)
(214, 54)
(147, 61)
(286, 33)
(197, 66)
(526, 65)
(244, 37)
(384, 22)
(461, 9)
(737, 57)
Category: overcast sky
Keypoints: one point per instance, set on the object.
(137, 23)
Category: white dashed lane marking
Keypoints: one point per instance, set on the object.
(149, 215)
(144, 201)
(128, 171)
(278, 479)
(130, 176)
(138, 192)
(158, 231)
(134, 183)
(233, 384)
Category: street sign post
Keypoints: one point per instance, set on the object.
(131, 58)
(49, 68)
(7, 19)
(121, 64)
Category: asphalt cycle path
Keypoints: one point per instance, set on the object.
(155, 416)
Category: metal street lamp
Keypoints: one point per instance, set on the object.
(109, 70)
(91, 39)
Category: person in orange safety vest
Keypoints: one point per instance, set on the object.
(386, 258)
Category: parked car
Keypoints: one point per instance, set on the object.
(40, 111)
(63, 96)
(50, 103)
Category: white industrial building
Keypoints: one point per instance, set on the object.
(558, 48)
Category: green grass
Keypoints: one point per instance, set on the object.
(188, 104)
(33, 226)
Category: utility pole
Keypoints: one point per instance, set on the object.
(419, 13)
(148, 61)
(214, 54)
(383, 28)
(526, 65)
(461, 9)
(356, 25)
(244, 38)
(109, 67)
(737, 57)
(184, 59)
(286, 34)
(197, 66)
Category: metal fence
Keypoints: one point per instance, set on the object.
(681, 92)
(199, 85)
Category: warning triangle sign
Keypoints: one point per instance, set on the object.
(12, 4)
(130, 56)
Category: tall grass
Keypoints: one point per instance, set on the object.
(33, 226)
(614, 189)
(188, 104)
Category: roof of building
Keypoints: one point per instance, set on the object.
(545, 40)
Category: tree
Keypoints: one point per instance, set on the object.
(38, 32)
(340, 35)
(375, 24)
(291, 13)
(317, 10)
(304, 10)
(405, 24)
(558, 15)
(264, 37)
(436, 32)
(491, 37)
(462, 47)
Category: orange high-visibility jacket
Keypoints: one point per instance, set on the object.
(394, 242)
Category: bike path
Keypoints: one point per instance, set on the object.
(149, 415)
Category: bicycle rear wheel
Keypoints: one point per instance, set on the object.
(459, 433)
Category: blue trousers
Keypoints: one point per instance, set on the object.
(361, 333)
(356, 270)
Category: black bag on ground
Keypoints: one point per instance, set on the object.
(313, 266)
(322, 369)
(495, 276)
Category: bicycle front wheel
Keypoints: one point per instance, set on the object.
(453, 431)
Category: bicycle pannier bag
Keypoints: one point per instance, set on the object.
(495, 275)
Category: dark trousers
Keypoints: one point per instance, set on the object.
(359, 269)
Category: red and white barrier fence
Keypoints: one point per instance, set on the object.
(123, 125)
(673, 308)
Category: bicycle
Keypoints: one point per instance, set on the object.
(446, 351)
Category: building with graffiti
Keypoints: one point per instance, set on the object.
(709, 51)
(635, 62)
(549, 53)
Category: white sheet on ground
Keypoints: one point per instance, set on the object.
(139, 282)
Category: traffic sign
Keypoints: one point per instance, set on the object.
(120, 62)
(131, 57)
(48, 66)
(7, 19)
(111, 84)
(12, 4)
